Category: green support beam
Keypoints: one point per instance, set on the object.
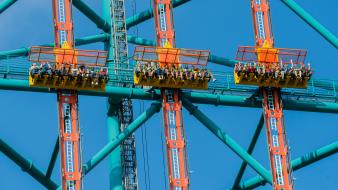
(6, 4)
(194, 97)
(145, 15)
(250, 150)
(227, 140)
(241, 101)
(130, 22)
(325, 33)
(140, 41)
(27, 166)
(91, 15)
(53, 159)
(296, 164)
(222, 61)
(78, 42)
(98, 157)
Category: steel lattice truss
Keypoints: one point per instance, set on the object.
(14, 76)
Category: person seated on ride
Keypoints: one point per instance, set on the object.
(195, 72)
(58, 71)
(153, 69)
(53, 70)
(255, 69)
(309, 66)
(74, 72)
(138, 69)
(276, 74)
(143, 69)
(102, 75)
(42, 68)
(69, 70)
(181, 73)
(63, 69)
(191, 73)
(177, 71)
(165, 72)
(199, 74)
(249, 69)
(186, 72)
(282, 74)
(244, 71)
(87, 73)
(267, 72)
(172, 72)
(46, 69)
(205, 74)
(147, 70)
(150, 71)
(95, 72)
(91, 73)
(298, 73)
(81, 72)
(283, 71)
(272, 71)
(95, 77)
(33, 69)
(159, 72)
(238, 68)
(308, 71)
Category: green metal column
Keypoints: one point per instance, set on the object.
(26, 166)
(53, 159)
(312, 22)
(5, 4)
(91, 14)
(113, 124)
(115, 167)
(117, 140)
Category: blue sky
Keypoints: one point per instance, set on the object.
(29, 120)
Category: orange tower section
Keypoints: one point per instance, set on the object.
(67, 70)
(172, 106)
(69, 129)
(272, 102)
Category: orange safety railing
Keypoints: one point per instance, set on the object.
(171, 56)
(67, 56)
(271, 56)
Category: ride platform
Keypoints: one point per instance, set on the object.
(271, 67)
(64, 68)
(156, 65)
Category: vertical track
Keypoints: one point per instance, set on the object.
(69, 140)
(272, 105)
(128, 148)
(172, 106)
(69, 128)
(121, 66)
(278, 148)
(174, 133)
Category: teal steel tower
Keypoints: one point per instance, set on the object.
(120, 150)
